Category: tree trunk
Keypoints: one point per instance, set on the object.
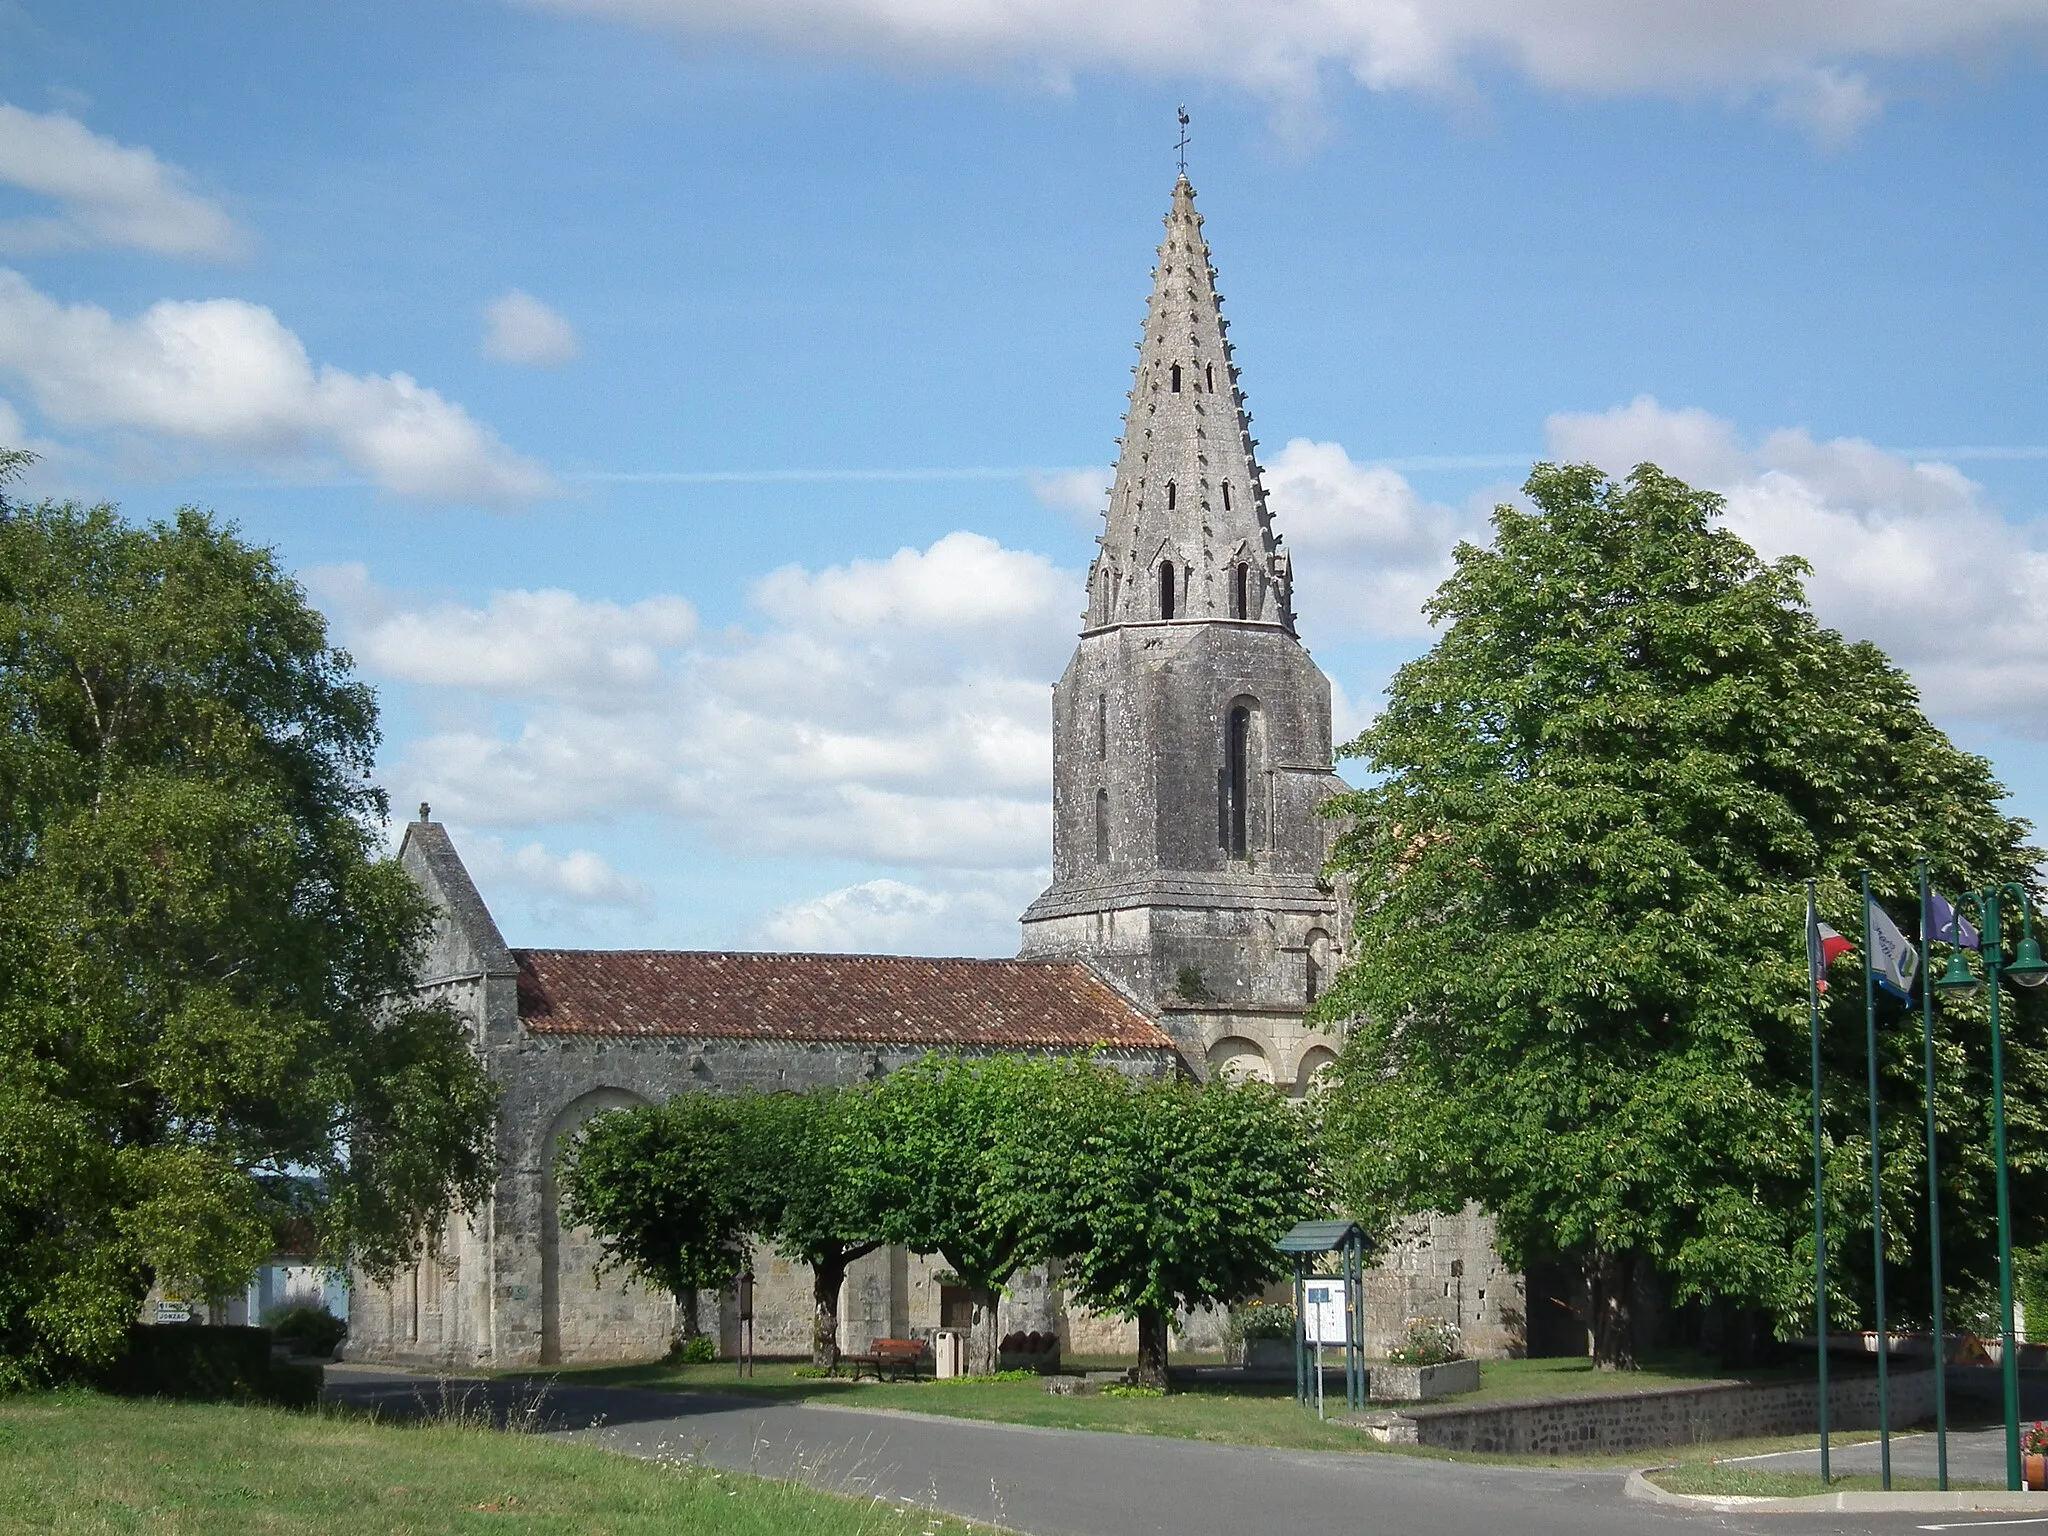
(1611, 1278)
(687, 1327)
(827, 1277)
(982, 1338)
(1152, 1333)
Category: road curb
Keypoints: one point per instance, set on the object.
(1976, 1501)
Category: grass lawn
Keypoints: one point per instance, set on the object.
(76, 1462)
(1248, 1413)
(1755, 1483)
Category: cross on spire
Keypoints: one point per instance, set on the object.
(1181, 147)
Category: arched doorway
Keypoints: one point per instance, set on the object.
(1234, 1059)
(580, 1311)
(1315, 1062)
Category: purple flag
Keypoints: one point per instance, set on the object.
(1950, 926)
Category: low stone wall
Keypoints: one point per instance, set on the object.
(1621, 1421)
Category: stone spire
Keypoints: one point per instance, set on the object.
(1188, 535)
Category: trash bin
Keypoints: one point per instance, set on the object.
(949, 1352)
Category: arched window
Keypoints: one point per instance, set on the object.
(1237, 778)
(1209, 376)
(1174, 375)
(1318, 957)
(1172, 495)
(1102, 826)
(1240, 591)
(1166, 589)
(1226, 495)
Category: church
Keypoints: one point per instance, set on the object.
(1187, 929)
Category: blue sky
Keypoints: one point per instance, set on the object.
(687, 410)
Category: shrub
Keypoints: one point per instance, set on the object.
(308, 1329)
(1264, 1320)
(1430, 1341)
(1119, 1389)
(697, 1350)
(209, 1364)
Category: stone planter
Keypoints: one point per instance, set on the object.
(1268, 1355)
(1046, 1362)
(1421, 1383)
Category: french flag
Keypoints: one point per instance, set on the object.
(1824, 947)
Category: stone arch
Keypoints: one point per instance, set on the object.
(1315, 1061)
(1237, 1059)
(575, 1304)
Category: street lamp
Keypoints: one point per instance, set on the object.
(2026, 969)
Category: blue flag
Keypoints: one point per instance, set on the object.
(1892, 960)
(1950, 926)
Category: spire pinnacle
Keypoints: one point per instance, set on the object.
(1181, 147)
(1187, 534)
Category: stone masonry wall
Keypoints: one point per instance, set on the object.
(1621, 1421)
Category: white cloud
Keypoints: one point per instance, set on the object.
(1831, 104)
(896, 710)
(520, 329)
(226, 376)
(1080, 493)
(890, 917)
(1799, 52)
(1907, 554)
(1369, 550)
(567, 889)
(106, 193)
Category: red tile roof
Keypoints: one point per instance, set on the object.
(876, 999)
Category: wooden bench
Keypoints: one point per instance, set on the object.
(895, 1356)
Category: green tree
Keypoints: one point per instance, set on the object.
(931, 1157)
(1170, 1195)
(1579, 981)
(798, 1196)
(661, 1187)
(199, 939)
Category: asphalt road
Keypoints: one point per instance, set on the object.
(1051, 1482)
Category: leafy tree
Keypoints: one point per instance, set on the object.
(931, 1158)
(660, 1185)
(798, 1196)
(199, 938)
(1170, 1195)
(1579, 981)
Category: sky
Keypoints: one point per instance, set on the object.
(694, 415)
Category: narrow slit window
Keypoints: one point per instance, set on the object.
(1172, 495)
(1102, 826)
(1209, 377)
(1240, 591)
(1166, 589)
(1102, 725)
(1239, 771)
(1226, 495)
(1173, 376)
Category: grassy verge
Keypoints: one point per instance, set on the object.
(1755, 1483)
(77, 1463)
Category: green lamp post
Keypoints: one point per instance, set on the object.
(2027, 969)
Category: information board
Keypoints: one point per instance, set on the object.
(1323, 1312)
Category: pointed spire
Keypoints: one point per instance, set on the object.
(1187, 535)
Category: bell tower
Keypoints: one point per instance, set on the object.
(1191, 731)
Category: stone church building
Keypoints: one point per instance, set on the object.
(1187, 928)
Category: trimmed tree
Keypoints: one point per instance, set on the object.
(199, 939)
(1170, 1195)
(798, 1196)
(931, 1158)
(661, 1187)
(1579, 984)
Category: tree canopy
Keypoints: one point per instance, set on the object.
(1579, 978)
(1171, 1195)
(200, 938)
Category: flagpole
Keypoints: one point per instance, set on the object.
(1820, 1209)
(1933, 1175)
(1884, 1403)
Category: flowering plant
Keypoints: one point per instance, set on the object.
(1431, 1341)
(2034, 1439)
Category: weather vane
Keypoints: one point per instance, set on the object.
(1182, 146)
